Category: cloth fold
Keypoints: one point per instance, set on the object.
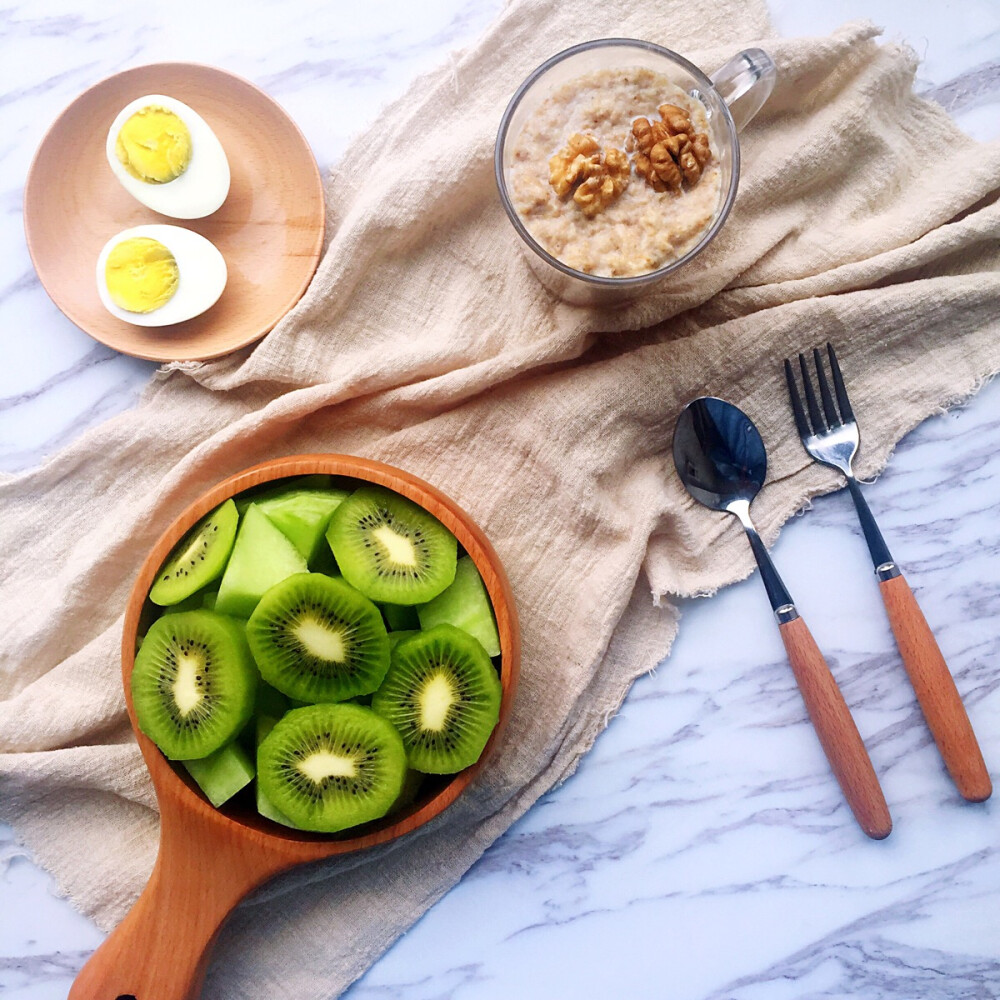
(426, 342)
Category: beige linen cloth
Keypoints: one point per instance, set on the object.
(863, 217)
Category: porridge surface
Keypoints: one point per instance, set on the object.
(642, 229)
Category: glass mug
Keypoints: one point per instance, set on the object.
(731, 97)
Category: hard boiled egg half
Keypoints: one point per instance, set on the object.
(159, 274)
(167, 157)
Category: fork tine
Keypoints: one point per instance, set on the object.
(846, 413)
(796, 400)
(819, 424)
(832, 419)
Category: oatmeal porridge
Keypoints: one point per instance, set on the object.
(613, 174)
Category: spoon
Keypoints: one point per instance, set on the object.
(721, 460)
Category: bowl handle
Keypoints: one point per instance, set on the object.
(160, 950)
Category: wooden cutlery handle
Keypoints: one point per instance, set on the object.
(936, 692)
(837, 731)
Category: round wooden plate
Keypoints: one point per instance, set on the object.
(209, 859)
(270, 228)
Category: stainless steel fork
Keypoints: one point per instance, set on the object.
(831, 436)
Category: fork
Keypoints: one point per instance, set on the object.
(832, 438)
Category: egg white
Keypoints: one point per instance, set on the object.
(203, 186)
(202, 275)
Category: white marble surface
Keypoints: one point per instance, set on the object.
(701, 852)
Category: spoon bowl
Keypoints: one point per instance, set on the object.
(719, 453)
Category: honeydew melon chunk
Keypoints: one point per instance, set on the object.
(269, 703)
(319, 481)
(302, 515)
(265, 723)
(262, 557)
(397, 637)
(466, 605)
(400, 616)
(323, 561)
(270, 811)
(193, 603)
(222, 774)
(199, 600)
(411, 788)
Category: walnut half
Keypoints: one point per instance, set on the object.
(595, 194)
(578, 161)
(598, 180)
(670, 153)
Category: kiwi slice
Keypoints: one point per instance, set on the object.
(443, 695)
(466, 605)
(330, 767)
(317, 639)
(193, 683)
(391, 549)
(199, 557)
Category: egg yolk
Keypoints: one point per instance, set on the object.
(154, 145)
(141, 274)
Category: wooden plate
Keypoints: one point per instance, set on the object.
(209, 859)
(270, 228)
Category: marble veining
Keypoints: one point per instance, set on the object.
(98, 354)
(701, 851)
(979, 85)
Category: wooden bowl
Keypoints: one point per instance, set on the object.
(269, 229)
(209, 859)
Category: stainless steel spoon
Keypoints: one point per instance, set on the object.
(721, 460)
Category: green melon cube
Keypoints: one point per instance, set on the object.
(400, 616)
(222, 774)
(395, 638)
(270, 811)
(466, 605)
(316, 482)
(261, 557)
(269, 704)
(302, 515)
(193, 603)
(409, 792)
(265, 723)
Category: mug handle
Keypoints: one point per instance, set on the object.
(745, 83)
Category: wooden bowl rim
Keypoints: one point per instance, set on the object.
(315, 253)
(295, 845)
